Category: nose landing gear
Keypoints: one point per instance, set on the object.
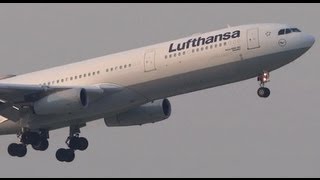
(264, 92)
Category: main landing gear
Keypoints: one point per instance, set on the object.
(74, 142)
(263, 92)
(38, 140)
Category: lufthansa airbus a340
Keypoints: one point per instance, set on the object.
(131, 88)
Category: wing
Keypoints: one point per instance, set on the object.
(14, 96)
(16, 93)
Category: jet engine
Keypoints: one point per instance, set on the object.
(148, 113)
(62, 102)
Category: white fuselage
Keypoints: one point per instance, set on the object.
(169, 69)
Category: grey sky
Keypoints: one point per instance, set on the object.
(221, 132)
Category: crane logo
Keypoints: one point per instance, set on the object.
(282, 42)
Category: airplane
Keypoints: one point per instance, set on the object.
(132, 88)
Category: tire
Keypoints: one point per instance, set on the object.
(83, 144)
(268, 92)
(21, 150)
(76, 143)
(12, 149)
(263, 92)
(60, 155)
(42, 146)
(69, 155)
(65, 155)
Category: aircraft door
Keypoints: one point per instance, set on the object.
(149, 61)
(253, 38)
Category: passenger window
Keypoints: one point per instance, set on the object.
(281, 32)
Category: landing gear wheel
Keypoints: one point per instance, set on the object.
(41, 146)
(263, 92)
(60, 155)
(77, 143)
(22, 150)
(83, 144)
(69, 155)
(65, 155)
(19, 150)
(12, 149)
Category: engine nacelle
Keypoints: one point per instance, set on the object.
(62, 102)
(148, 113)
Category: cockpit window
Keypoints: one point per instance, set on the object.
(281, 32)
(288, 31)
(295, 30)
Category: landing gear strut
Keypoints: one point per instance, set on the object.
(38, 140)
(264, 92)
(74, 142)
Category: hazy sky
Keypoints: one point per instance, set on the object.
(226, 131)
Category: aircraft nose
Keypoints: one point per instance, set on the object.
(310, 40)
